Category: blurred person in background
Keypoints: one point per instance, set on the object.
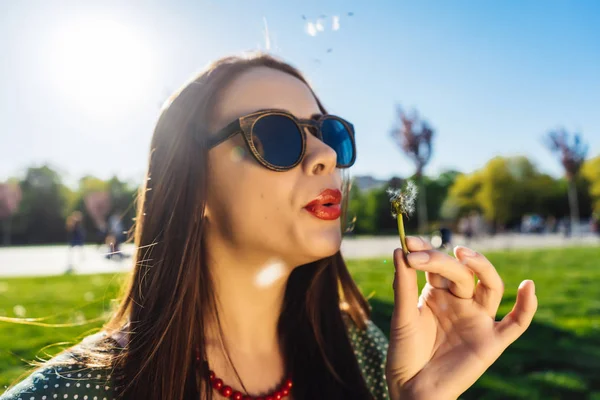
(476, 224)
(551, 224)
(76, 239)
(115, 235)
(465, 227)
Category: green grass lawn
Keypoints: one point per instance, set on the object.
(557, 358)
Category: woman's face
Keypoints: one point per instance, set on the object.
(258, 211)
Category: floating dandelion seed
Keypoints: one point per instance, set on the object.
(19, 311)
(319, 26)
(403, 203)
(351, 225)
(311, 29)
(97, 281)
(267, 35)
(335, 23)
(79, 318)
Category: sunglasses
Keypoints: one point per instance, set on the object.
(278, 141)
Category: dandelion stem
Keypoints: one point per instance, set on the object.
(403, 201)
(402, 233)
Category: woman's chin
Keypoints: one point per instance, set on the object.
(324, 243)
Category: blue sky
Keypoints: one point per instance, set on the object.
(82, 82)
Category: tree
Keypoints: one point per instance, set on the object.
(101, 198)
(572, 155)
(10, 197)
(41, 216)
(591, 171)
(498, 191)
(94, 198)
(362, 207)
(437, 191)
(505, 189)
(462, 196)
(414, 137)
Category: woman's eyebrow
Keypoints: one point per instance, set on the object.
(316, 116)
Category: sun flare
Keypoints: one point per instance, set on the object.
(101, 64)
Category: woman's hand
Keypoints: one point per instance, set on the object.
(444, 340)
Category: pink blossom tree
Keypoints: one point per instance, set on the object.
(572, 154)
(10, 197)
(414, 137)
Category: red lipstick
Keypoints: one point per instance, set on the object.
(326, 205)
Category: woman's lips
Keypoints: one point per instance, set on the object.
(326, 205)
(328, 213)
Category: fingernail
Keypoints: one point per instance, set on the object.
(465, 252)
(416, 239)
(525, 282)
(418, 257)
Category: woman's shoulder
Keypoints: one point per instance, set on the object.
(66, 376)
(370, 347)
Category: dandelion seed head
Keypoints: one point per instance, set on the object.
(403, 200)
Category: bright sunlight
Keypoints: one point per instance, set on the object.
(101, 65)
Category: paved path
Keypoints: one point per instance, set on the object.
(52, 260)
(377, 246)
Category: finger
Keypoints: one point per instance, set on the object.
(406, 292)
(437, 281)
(517, 321)
(415, 243)
(461, 278)
(490, 287)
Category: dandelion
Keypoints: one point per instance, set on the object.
(403, 203)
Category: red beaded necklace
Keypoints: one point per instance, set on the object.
(227, 392)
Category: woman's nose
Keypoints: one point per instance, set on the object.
(319, 157)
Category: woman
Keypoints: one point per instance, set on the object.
(239, 289)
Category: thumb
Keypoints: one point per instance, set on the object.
(517, 321)
(406, 292)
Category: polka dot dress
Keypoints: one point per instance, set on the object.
(71, 382)
(76, 382)
(63, 378)
(370, 346)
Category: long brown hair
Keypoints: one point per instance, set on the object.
(170, 290)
